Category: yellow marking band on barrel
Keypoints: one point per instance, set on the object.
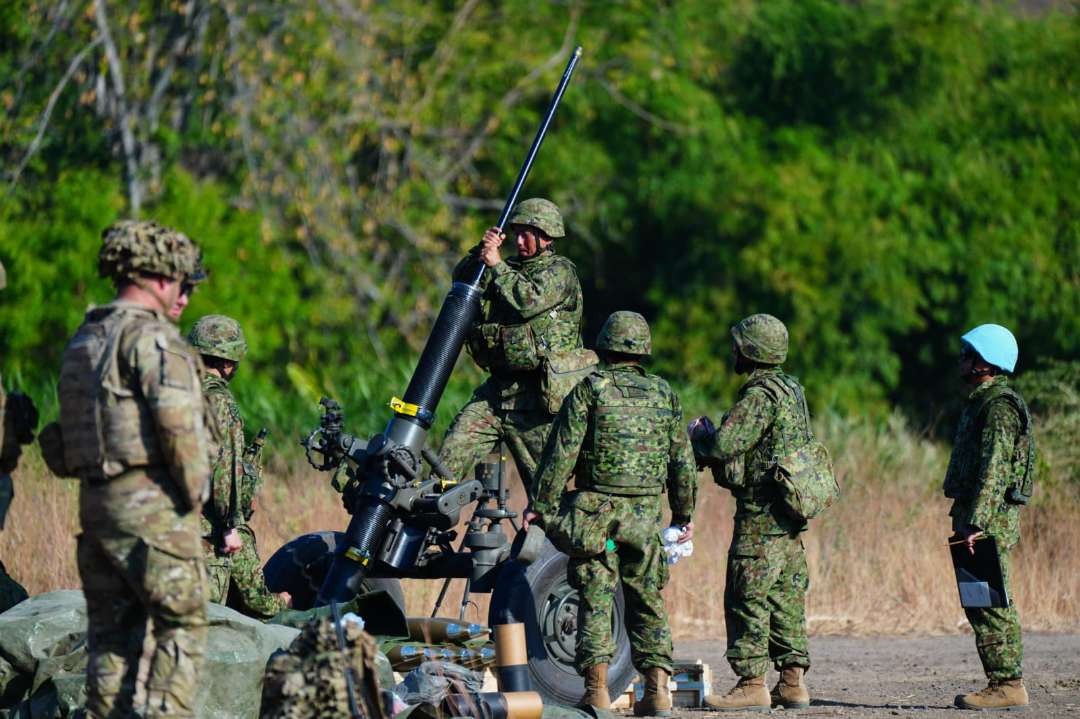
(354, 554)
(402, 407)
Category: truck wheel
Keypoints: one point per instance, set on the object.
(540, 596)
(300, 566)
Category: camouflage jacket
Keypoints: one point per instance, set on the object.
(621, 432)
(988, 457)
(234, 482)
(747, 443)
(134, 427)
(531, 308)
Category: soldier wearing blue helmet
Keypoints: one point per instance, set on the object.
(989, 478)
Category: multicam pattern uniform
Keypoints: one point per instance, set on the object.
(765, 593)
(308, 678)
(134, 432)
(989, 455)
(621, 432)
(236, 579)
(532, 308)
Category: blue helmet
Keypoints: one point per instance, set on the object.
(995, 344)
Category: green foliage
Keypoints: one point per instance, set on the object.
(880, 175)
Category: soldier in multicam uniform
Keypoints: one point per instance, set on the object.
(988, 481)
(232, 558)
(133, 429)
(18, 419)
(620, 432)
(765, 593)
(532, 308)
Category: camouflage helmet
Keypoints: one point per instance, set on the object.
(761, 338)
(625, 332)
(539, 213)
(218, 336)
(133, 247)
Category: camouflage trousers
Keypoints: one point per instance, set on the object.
(765, 604)
(997, 635)
(11, 592)
(636, 562)
(519, 421)
(141, 602)
(237, 580)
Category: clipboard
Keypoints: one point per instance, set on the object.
(979, 578)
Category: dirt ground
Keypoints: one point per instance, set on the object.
(884, 677)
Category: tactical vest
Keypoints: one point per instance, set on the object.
(789, 429)
(105, 427)
(503, 342)
(960, 479)
(626, 446)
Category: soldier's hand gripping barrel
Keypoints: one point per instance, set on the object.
(401, 446)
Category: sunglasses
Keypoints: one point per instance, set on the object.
(187, 288)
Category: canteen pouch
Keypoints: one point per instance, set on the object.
(519, 347)
(561, 374)
(579, 530)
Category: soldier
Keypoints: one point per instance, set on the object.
(765, 593)
(18, 419)
(988, 480)
(232, 559)
(620, 432)
(133, 430)
(532, 309)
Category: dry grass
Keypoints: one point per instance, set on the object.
(878, 560)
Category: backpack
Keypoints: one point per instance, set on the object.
(803, 473)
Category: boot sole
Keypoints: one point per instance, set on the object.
(738, 709)
(793, 705)
(959, 703)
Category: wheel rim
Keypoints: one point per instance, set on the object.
(558, 625)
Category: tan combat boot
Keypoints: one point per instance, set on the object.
(596, 693)
(749, 695)
(1008, 694)
(656, 701)
(790, 692)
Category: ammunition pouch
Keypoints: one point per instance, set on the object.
(51, 441)
(519, 347)
(562, 372)
(483, 344)
(579, 529)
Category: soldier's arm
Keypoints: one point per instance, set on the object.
(740, 429)
(995, 462)
(682, 470)
(561, 450)
(533, 294)
(169, 382)
(223, 511)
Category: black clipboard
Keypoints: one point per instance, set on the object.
(979, 578)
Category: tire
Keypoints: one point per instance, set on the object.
(300, 565)
(540, 596)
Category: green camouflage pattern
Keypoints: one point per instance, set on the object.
(539, 213)
(997, 634)
(985, 463)
(131, 248)
(620, 431)
(765, 605)
(620, 471)
(308, 679)
(764, 600)
(531, 308)
(237, 579)
(140, 555)
(636, 561)
(990, 455)
(218, 336)
(762, 338)
(625, 332)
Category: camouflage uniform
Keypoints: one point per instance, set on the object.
(990, 451)
(234, 579)
(18, 418)
(133, 430)
(621, 433)
(308, 678)
(532, 308)
(765, 592)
